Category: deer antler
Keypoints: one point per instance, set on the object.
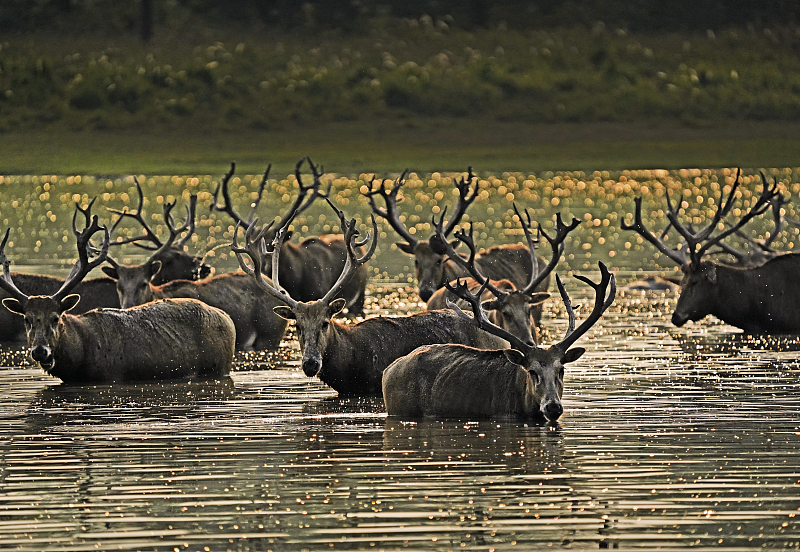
(556, 244)
(149, 234)
(391, 213)
(601, 304)
(83, 266)
(461, 291)
(353, 260)
(227, 205)
(302, 202)
(6, 281)
(639, 227)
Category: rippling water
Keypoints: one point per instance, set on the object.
(670, 439)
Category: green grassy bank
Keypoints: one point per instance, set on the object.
(423, 145)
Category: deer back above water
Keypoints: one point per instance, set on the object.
(165, 340)
(457, 381)
(351, 358)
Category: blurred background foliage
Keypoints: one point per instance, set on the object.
(267, 65)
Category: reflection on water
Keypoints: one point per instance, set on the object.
(670, 439)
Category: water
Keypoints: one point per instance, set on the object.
(671, 439)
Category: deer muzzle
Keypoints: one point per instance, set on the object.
(312, 365)
(43, 355)
(679, 319)
(552, 410)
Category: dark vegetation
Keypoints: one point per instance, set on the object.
(257, 65)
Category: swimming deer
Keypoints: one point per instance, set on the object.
(758, 299)
(524, 382)
(257, 326)
(518, 310)
(309, 268)
(350, 358)
(165, 340)
(431, 265)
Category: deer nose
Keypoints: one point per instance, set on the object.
(311, 366)
(40, 353)
(553, 411)
(425, 293)
(679, 319)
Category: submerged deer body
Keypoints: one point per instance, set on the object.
(758, 299)
(457, 381)
(431, 266)
(351, 358)
(165, 340)
(309, 268)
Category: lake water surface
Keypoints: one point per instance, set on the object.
(671, 439)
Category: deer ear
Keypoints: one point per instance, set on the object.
(111, 272)
(13, 305)
(490, 305)
(405, 247)
(155, 267)
(573, 354)
(514, 356)
(538, 298)
(336, 306)
(284, 312)
(69, 302)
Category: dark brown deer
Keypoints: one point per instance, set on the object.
(524, 382)
(164, 340)
(174, 263)
(351, 358)
(308, 268)
(257, 326)
(431, 265)
(518, 310)
(758, 299)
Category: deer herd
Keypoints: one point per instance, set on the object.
(473, 353)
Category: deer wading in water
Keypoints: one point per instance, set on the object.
(95, 293)
(431, 265)
(351, 358)
(517, 310)
(759, 299)
(457, 381)
(309, 268)
(257, 326)
(171, 339)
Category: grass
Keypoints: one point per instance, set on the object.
(388, 146)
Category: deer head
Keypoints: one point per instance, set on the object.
(133, 282)
(175, 264)
(313, 319)
(43, 314)
(428, 255)
(546, 366)
(512, 306)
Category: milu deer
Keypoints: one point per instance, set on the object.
(174, 262)
(257, 326)
(758, 299)
(431, 265)
(518, 310)
(308, 268)
(165, 340)
(102, 292)
(351, 358)
(457, 381)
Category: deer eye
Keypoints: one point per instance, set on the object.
(535, 376)
(325, 325)
(561, 373)
(54, 321)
